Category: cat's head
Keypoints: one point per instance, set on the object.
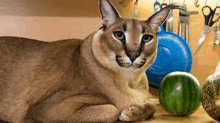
(127, 43)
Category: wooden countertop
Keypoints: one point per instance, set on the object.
(200, 116)
(161, 116)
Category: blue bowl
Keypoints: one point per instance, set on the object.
(173, 54)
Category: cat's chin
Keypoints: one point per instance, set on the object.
(132, 66)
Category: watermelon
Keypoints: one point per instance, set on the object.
(179, 93)
(211, 97)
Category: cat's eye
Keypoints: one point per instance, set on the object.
(146, 38)
(119, 35)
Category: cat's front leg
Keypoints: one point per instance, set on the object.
(138, 112)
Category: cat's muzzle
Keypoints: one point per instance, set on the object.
(133, 55)
(130, 61)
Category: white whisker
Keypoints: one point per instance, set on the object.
(152, 66)
(155, 66)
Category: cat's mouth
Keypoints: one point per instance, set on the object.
(127, 63)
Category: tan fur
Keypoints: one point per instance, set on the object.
(77, 80)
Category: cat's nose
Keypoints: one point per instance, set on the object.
(133, 55)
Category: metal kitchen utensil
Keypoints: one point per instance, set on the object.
(217, 30)
(184, 19)
(170, 19)
(216, 34)
(210, 19)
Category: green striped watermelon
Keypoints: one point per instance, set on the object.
(180, 93)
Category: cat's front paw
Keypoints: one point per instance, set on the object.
(137, 112)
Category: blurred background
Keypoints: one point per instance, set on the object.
(51, 20)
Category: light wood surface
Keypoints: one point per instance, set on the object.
(200, 116)
(161, 116)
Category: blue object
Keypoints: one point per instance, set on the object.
(173, 54)
(157, 6)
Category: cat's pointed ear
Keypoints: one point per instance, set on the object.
(159, 17)
(108, 12)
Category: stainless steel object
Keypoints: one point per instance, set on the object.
(184, 18)
(210, 19)
(170, 21)
(184, 21)
(187, 32)
(216, 34)
(202, 39)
